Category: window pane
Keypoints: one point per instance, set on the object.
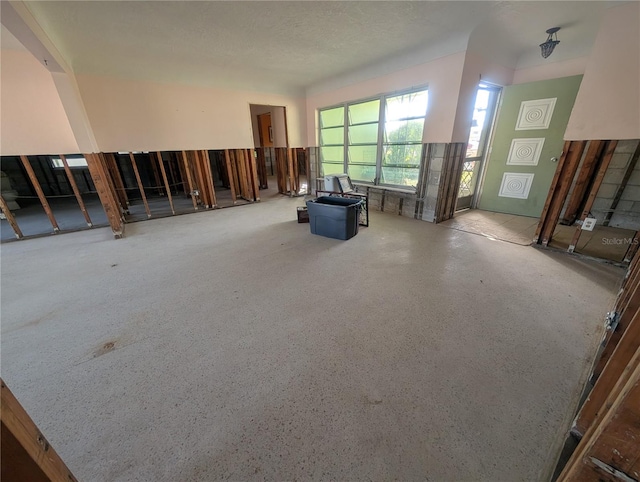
(332, 168)
(362, 173)
(335, 135)
(364, 134)
(402, 155)
(407, 105)
(363, 154)
(400, 175)
(332, 154)
(364, 112)
(332, 117)
(404, 131)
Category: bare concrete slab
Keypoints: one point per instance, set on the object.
(235, 345)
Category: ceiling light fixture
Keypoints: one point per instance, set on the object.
(550, 44)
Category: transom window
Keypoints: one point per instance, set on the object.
(377, 141)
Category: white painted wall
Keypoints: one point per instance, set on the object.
(608, 103)
(33, 120)
(442, 76)
(477, 68)
(551, 70)
(128, 115)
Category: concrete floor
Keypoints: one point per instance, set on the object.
(235, 345)
(505, 227)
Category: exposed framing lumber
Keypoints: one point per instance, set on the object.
(100, 177)
(155, 174)
(290, 171)
(591, 158)
(633, 248)
(185, 161)
(140, 186)
(200, 179)
(609, 449)
(121, 192)
(242, 174)
(236, 173)
(10, 218)
(621, 355)
(254, 174)
(597, 182)
(209, 174)
(165, 180)
(307, 168)
(613, 337)
(31, 454)
(227, 162)
(76, 191)
(560, 185)
(262, 168)
(40, 193)
(627, 175)
(183, 175)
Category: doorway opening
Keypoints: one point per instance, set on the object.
(482, 121)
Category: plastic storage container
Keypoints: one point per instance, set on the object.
(334, 217)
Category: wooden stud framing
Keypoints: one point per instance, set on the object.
(610, 447)
(633, 248)
(242, 174)
(290, 171)
(9, 215)
(121, 192)
(183, 175)
(597, 182)
(209, 174)
(140, 186)
(26, 453)
(75, 189)
(227, 161)
(254, 174)
(262, 168)
(560, 185)
(187, 170)
(307, 168)
(100, 177)
(236, 174)
(39, 192)
(581, 185)
(155, 174)
(165, 180)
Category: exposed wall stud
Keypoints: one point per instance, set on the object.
(9, 215)
(39, 192)
(166, 181)
(140, 186)
(75, 189)
(185, 161)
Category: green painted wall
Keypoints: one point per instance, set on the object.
(565, 90)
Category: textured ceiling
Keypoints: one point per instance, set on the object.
(289, 46)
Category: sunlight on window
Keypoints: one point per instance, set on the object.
(71, 161)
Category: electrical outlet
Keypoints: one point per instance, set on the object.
(588, 224)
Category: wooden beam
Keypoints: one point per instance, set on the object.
(75, 189)
(597, 182)
(627, 175)
(242, 174)
(262, 168)
(227, 162)
(209, 174)
(140, 186)
(155, 174)
(39, 192)
(236, 175)
(31, 454)
(633, 248)
(185, 160)
(290, 170)
(183, 175)
(121, 192)
(254, 174)
(610, 447)
(560, 185)
(165, 180)
(307, 168)
(9, 215)
(595, 404)
(108, 198)
(591, 158)
(199, 178)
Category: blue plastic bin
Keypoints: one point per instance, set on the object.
(334, 217)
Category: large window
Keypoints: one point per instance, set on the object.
(377, 141)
